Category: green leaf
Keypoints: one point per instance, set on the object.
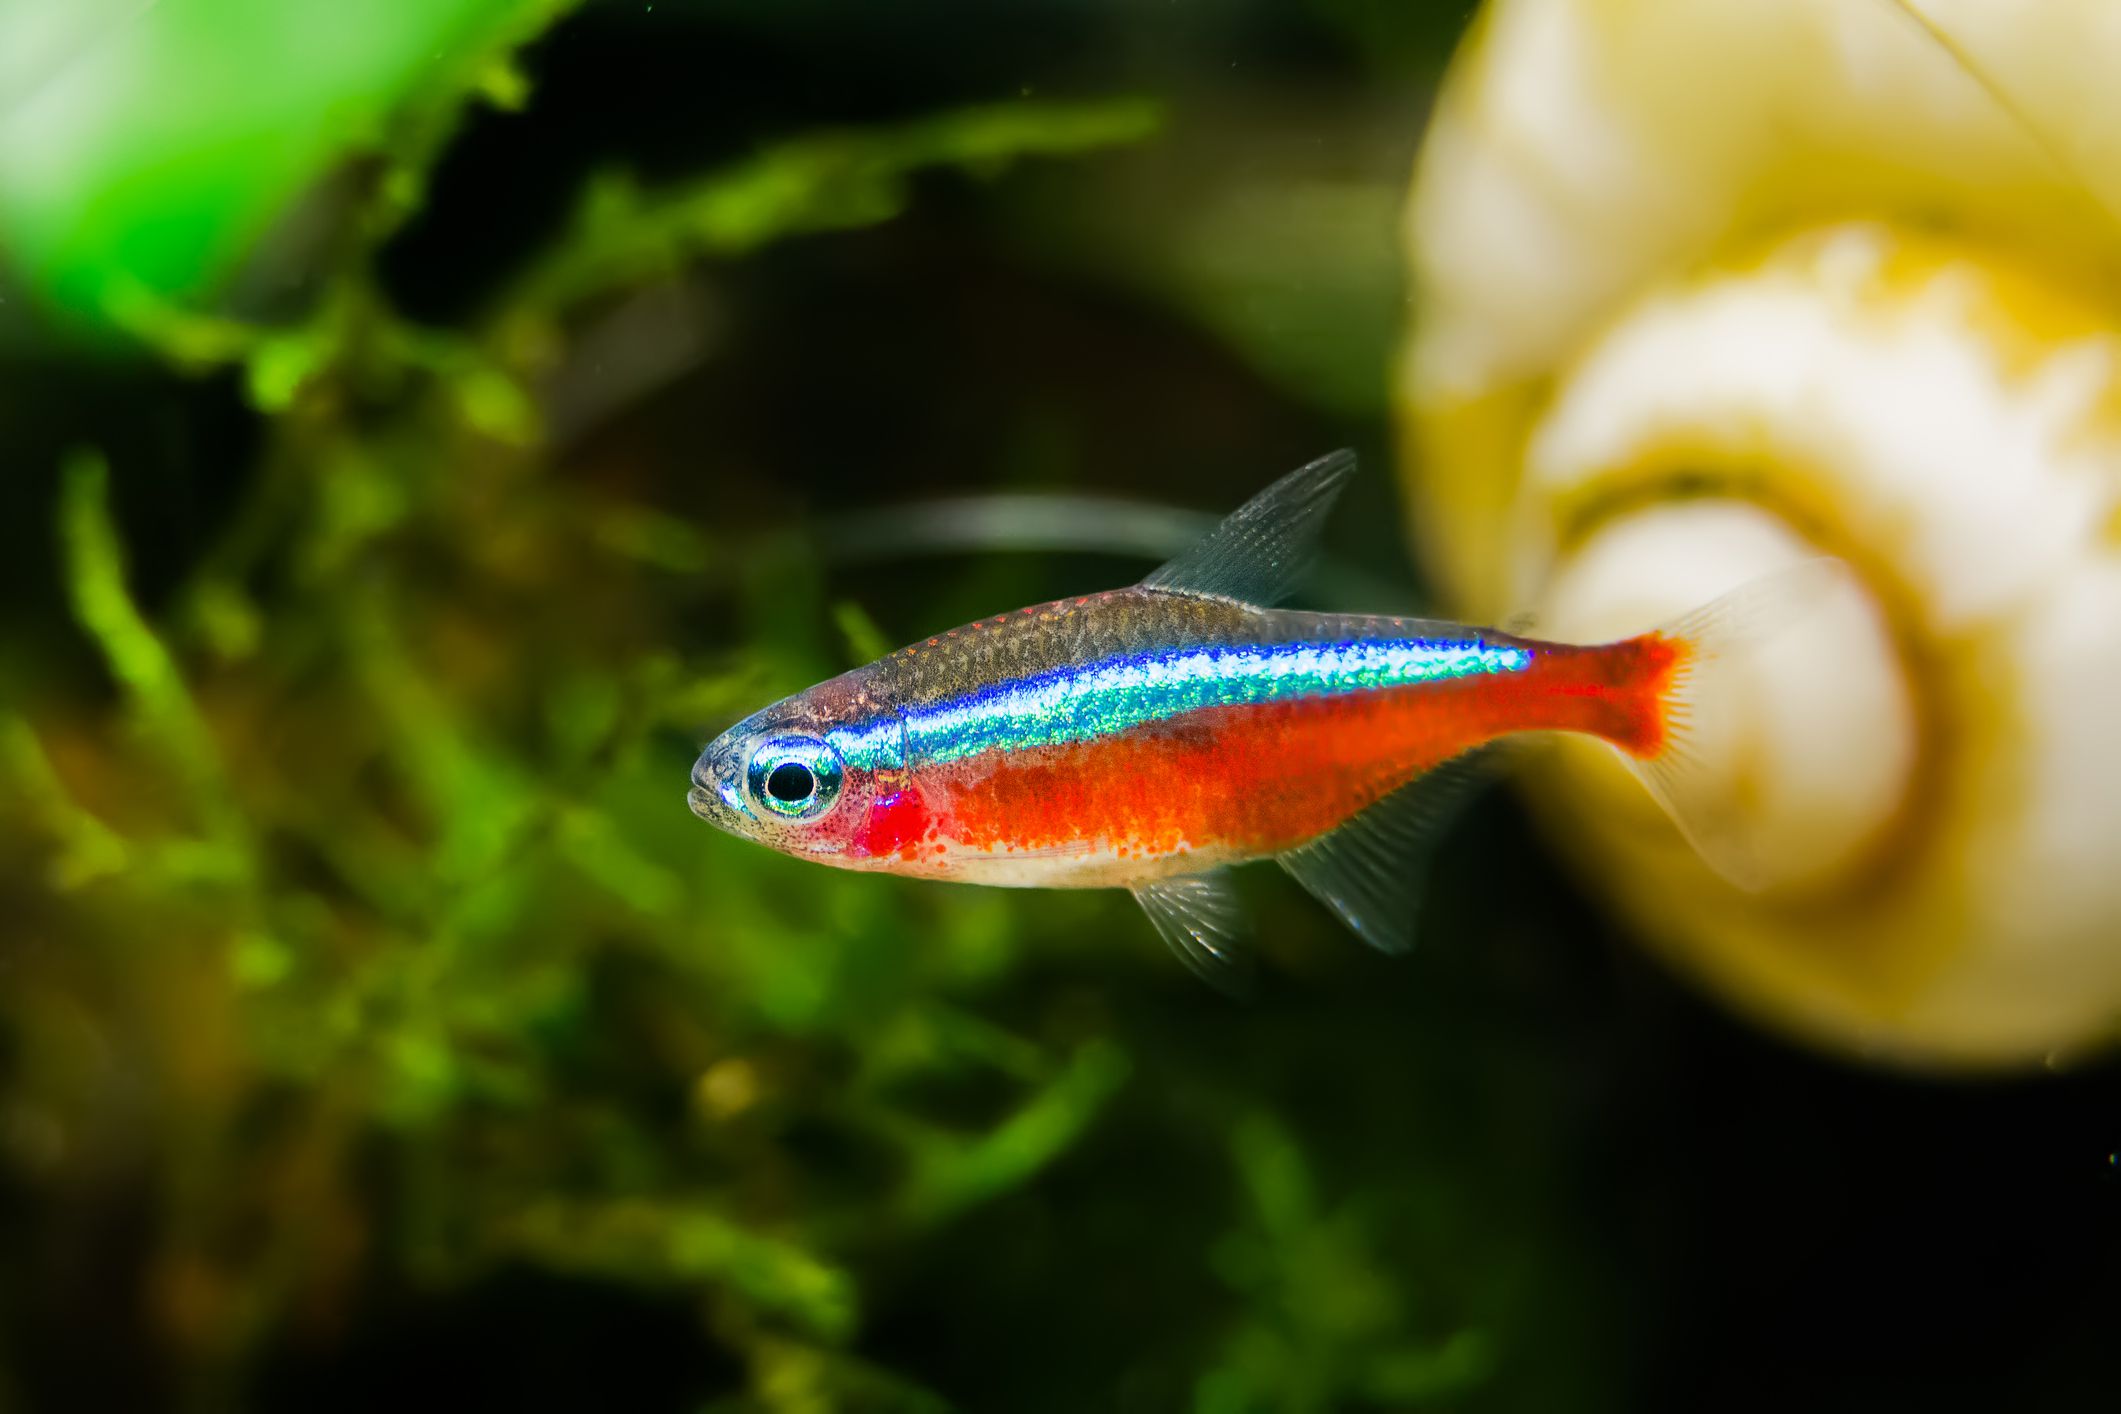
(151, 145)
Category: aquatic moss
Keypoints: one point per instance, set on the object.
(368, 962)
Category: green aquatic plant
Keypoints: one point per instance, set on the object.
(363, 944)
(144, 148)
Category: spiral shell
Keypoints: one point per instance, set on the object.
(1706, 286)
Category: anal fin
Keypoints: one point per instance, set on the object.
(1370, 870)
(1200, 917)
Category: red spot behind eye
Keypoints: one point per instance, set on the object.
(896, 825)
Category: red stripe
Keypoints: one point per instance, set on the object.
(1266, 777)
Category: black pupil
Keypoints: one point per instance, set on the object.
(790, 783)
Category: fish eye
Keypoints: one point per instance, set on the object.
(791, 783)
(794, 777)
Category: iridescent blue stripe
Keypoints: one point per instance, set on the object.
(877, 744)
(1080, 703)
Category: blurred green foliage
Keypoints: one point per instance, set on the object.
(144, 147)
(363, 937)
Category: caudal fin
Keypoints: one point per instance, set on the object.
(1718, 650)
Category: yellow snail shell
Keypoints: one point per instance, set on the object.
(1703, 287)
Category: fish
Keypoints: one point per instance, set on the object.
(1151, 738)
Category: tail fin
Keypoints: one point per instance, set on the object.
(1719, 645)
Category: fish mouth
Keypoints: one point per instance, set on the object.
(709, 798)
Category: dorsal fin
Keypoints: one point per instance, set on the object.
(1259, 552)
